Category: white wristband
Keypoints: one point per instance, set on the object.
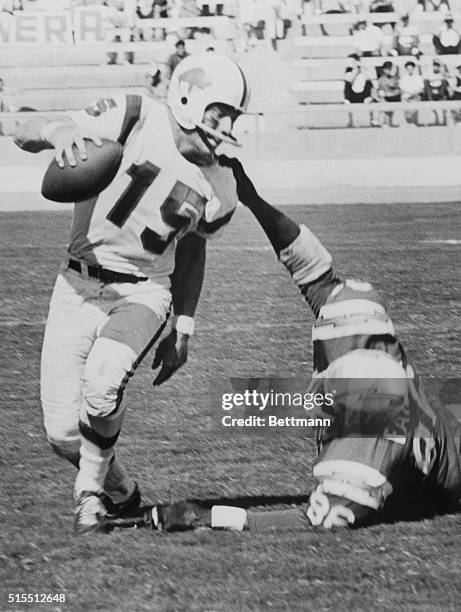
(48, 128)
(183, 324)
(228, 517)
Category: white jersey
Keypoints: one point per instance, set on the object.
(156, 197)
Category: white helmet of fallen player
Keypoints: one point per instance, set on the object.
(202, 80)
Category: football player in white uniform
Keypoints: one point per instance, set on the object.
(134, 248)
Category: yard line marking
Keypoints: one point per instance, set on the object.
(451, 241)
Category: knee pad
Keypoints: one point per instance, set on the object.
(107, 371)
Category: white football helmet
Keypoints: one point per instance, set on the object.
(203, 79)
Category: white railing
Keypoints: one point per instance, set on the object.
(376, 18)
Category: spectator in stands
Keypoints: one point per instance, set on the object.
(367, 39)
(447, 40)
(205, 9)
(176, 57)
(357, 86)
(381, 6)
(436, 87)
(273, 21)
(247, 20)
(287, 12)
(8, 6)
(5, 102)
(436, 6)
(456, 87)
(145, 10)
(406, 38)
(186, 9)
(456, 94)
(332, 7)
(302, 9)
(121, 18)
(161, 9)
(388, 90)
(153, 78)
(412, 90)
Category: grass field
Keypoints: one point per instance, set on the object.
(251, 321)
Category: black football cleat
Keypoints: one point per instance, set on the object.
(90, 513)
(181, 516)
(126, 508)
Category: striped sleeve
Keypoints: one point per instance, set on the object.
(111, 118)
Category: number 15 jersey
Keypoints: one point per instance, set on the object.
(156, 197)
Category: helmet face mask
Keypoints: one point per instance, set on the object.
(218, 121)
(204, 90)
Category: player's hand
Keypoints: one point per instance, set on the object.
(64, 136)
(171, 354)
(246, 191)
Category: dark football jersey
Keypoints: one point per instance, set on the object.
(419, 452)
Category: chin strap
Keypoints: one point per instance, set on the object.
(223, 137)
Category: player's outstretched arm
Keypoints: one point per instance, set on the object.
(61, 134)
(300, 251)
(280, 229)
(187, 280)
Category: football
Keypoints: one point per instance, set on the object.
(87, 178)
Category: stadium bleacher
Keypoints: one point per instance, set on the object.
(57, 76)
(322, 56)
(61, 76)
(341, 24)
(331, 69)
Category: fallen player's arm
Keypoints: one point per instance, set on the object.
(186, 286)
(301, 252)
